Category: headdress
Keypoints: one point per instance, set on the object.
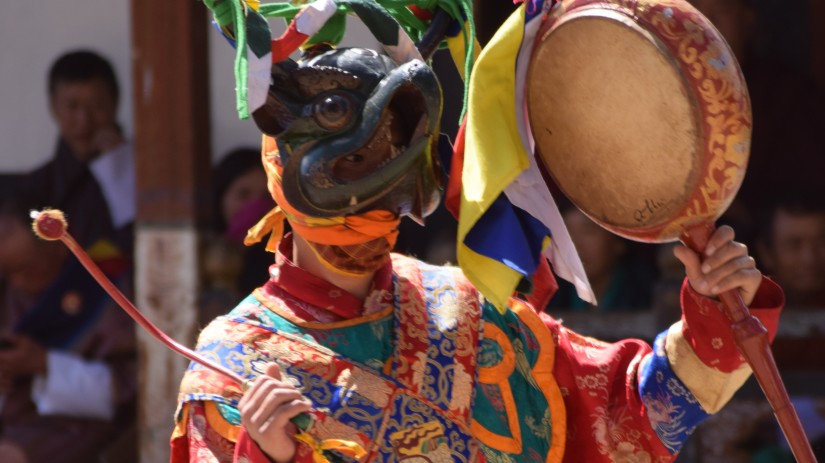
(317, 132)
(353, 132)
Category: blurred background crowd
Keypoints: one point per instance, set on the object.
(68, 356)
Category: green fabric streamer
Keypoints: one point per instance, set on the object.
(241, 66)
(229, 14)
(333, 30)
(223, 13)
(258, 36)
(232, 16)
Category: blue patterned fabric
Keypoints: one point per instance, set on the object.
(410, 420)
(437, 400)
(674, 412)
(332, 399)
(351, 342)
(438, 380)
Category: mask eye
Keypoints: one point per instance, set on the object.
(333, 111)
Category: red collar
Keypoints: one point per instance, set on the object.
(316, 291)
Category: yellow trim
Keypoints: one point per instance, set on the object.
(711, 387)
(387, 370)
(499, 375)
(263, 298)
(213, 417)
(543, 374)
(180, 425)
(485, 139)
(273, 224)
(349, 448)
(217, 422)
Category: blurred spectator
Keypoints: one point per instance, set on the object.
(91, 175)
(791, 247)
(764, 443)
(241, 199)
(67, 367)
(67, 354)
(620, 281)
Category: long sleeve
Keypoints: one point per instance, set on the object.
(630, 402)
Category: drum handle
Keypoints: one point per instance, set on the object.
(751, 338)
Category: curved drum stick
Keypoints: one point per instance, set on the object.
(51, 225)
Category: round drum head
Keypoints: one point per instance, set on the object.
(614, 121)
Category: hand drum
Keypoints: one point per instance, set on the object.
(640, 114)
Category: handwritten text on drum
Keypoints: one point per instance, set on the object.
(650, 209)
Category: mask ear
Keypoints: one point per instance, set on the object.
(438, 29)
(274, 116)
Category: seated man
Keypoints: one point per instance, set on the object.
(67, 363)
(91, 176)
(398, 360)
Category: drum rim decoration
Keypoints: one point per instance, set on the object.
(712, 80)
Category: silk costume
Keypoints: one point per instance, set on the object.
(566, 397)
(425, 369)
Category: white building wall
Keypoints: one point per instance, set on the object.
(32, 34)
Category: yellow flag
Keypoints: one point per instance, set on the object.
(493, 155)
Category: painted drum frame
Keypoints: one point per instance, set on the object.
(717, 97)
(712, 83)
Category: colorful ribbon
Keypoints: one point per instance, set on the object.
(348, 448)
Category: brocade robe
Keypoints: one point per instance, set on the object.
(511, 387)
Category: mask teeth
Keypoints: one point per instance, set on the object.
(353, 201)
(416, 211)
(420, 128)
(394, 153)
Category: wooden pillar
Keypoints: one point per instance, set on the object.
(171, 102)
